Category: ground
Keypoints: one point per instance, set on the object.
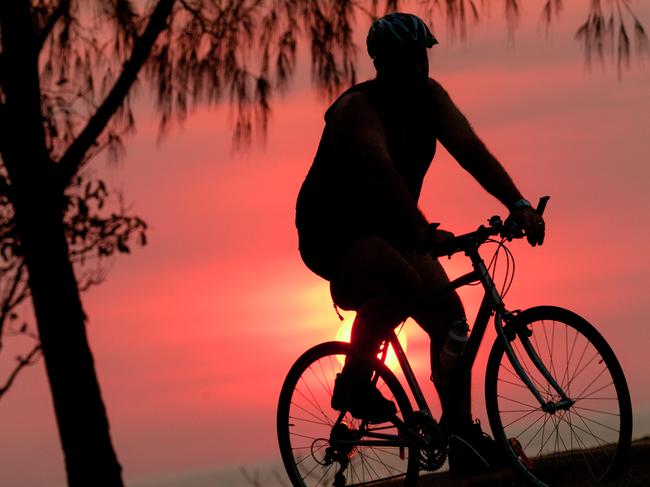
(637, 474)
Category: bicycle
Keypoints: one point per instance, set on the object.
(557, 399)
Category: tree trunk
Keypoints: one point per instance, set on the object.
(81, 416)
(37, 198)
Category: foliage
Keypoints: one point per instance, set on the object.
(96, 229)
(95, 56)
(605, 35)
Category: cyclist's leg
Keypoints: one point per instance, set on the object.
(436, 313)
(477, 452)
(374, 279)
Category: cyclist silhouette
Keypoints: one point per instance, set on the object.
(360, 228)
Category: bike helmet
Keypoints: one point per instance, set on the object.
(398, 30)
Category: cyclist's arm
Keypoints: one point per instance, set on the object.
(358, 139)
(457, 136)
(463, 144)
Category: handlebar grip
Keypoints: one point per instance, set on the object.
(541, 206)
(448, 248)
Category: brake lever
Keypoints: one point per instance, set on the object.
(511, 230)
(541, 206)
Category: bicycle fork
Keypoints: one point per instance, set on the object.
(492, 301)
(523, 334)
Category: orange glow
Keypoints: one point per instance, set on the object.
(391, 359)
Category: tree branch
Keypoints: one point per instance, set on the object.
(8, 301)
(73, 158)
(22, 362)
(42, 36)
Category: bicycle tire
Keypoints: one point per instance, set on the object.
(301, 430)
(591, 439)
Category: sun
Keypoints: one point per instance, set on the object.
(344, 333)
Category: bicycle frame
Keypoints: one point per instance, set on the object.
(507, 330)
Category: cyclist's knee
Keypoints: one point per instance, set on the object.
(438, 317)
(373, 270)
(383, 313)
(455, 308)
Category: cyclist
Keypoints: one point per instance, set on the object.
(360, 228)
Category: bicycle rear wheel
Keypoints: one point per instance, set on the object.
(583, 444)
(305, 423)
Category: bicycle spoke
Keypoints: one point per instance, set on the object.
(514, 374)
(596, 422)
(303, 436)
(310, 472)
(308, 457)
(518, 402)
(538, 349)
(513, 383)
(555, 442)
(550, 347)
(536, 432)
(366, 467)
(599, 440)
(352, 472)
(383, 450)
(584, 350)
(542, 442)
(332, 368)
(586, 450)
(581, 397)
(307, 411)
(309, 421)
(566, 365)
(596, 354)
(313, 405)
(329, 388)
(520, 418)
(592, 382)
(596, 411)
(570, 356)
(383, 464)
(316, 402)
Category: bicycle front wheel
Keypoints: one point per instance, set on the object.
(307, 424)
(581, 444)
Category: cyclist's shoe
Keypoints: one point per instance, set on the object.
(362, 400)
(473, 452)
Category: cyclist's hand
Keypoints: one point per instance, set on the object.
(531, 223)
(434, 238)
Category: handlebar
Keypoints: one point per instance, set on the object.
(508, 230)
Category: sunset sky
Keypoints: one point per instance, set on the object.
(193, 334)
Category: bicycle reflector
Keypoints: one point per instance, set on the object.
(519, 451)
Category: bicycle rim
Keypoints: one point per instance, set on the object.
(583, 444)
(305, 421)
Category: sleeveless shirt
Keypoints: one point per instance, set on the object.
(336, 205)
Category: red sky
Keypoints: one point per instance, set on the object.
(193, 334)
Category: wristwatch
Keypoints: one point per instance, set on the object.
(522, 203)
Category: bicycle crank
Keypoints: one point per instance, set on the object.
(431, 448)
